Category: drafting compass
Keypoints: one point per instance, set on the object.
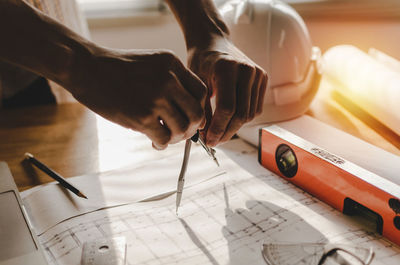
(210, 151)
(315, 254)
(181, 180)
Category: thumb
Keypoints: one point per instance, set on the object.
(158, 147)
(208, 116)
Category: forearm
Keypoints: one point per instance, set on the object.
(38, 43)
(199, 20)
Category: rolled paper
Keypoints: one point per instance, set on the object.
(372, 85)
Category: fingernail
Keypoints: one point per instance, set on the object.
(158, 147)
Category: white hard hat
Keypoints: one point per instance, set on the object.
(274, 36)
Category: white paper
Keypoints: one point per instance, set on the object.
(52, 204)
(221, 221)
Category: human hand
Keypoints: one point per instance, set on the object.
(237, 82)
(149, 91)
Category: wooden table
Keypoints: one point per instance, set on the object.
(71, 140)
(74, 141)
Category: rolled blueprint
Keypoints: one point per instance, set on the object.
(369, 83)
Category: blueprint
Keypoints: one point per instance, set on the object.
(224, 220)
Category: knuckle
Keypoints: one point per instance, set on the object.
(259, 73)
(223, 64)
(265, 75)
(168, 59)
(246, 68)
(167, 56)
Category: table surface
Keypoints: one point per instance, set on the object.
(74, 141)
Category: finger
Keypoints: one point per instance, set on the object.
(174, 120)
(246, 75)
(245, 82)
(208, 115)
(255, 94)
(157, 147)
(261, 94)
(188, 106)
(224, 83)
(160, 135)
(191, 82)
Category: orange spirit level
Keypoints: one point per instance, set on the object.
(344, 185)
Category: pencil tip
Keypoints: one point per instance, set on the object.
(80, 194)
(28, 155)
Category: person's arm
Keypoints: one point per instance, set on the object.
(35, 42)
(237, 82)
(145, 90)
